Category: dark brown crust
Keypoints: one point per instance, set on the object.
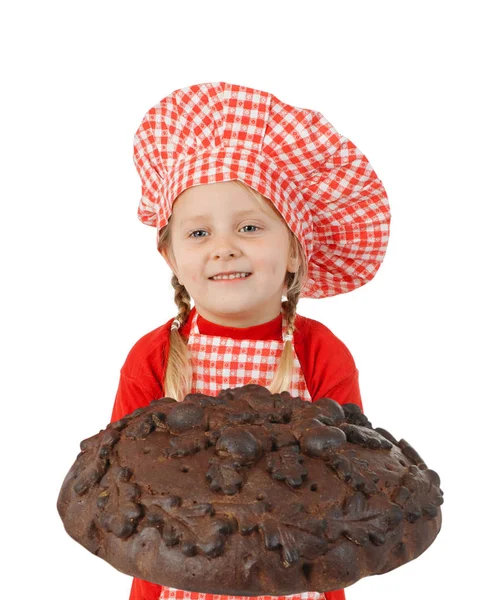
(249, 493)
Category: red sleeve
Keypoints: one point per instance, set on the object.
(328, 365)
(144, 590)
(335, 595)
(142, 374)
(343, 392)
(129, 396)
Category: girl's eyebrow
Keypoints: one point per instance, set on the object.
(241, 213)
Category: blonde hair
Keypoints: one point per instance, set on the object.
(178, 377)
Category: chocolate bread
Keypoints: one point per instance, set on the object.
(250, 493)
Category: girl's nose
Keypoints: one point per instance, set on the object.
(225, 247)
(226, 253)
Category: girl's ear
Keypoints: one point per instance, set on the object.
(293, 265)
(171, 264)
(293, 261)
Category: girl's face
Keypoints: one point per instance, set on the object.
(211, 235)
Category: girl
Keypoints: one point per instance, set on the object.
(252, 199)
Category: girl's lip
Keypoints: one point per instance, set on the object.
(231, 280)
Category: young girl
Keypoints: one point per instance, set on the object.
(252, 199)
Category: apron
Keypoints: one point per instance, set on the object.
(220, 363)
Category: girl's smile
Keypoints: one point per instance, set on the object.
(229, 278)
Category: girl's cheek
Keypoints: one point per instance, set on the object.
(258, 263)
(265, 259)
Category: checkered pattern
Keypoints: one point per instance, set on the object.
(320, 182)
(220, 363)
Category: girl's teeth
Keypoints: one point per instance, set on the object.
(235, 276)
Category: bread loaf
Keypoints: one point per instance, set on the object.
(250, 493)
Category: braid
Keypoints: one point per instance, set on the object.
(283, 377)
(178, 377)
(290, 305)
(182, 299)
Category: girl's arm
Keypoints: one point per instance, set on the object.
(129, 396)
(141, 374)
(343, 392)
(328, 365)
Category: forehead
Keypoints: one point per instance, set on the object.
(219, 198)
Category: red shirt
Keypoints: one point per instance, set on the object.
(327, 364)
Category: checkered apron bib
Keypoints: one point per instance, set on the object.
(220, 363)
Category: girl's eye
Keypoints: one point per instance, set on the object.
(198, 230)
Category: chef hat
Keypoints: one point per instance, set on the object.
(320, 182)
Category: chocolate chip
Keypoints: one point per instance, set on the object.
(319, 441)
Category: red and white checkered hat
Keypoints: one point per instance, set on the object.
(320, 182)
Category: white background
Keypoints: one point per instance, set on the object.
(82, 280)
